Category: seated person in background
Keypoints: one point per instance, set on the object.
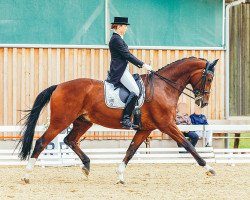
(199, 119)
(182, 118)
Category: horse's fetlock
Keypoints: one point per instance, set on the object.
(202, 163)
(86, 160)
(86, 163)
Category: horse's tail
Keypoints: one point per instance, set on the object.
(31, 119)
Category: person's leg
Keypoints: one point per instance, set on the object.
(128, 81)
(209, 138)
(200, 134)
(193, 137)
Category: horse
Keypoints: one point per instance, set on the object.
(81, 102)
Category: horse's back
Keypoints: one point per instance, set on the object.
(77, 89)
(80, 81)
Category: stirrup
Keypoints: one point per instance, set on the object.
(129, 125)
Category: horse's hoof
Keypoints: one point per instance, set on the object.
(120, 182)
(85, 171)
(26, 180)
(211, 172)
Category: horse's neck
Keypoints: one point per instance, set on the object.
(179, 73)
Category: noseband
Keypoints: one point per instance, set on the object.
(198, 92)
(201, 91)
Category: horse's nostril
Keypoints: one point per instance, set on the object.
(204, 104)
(198, 102)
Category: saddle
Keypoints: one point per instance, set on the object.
(116, 97)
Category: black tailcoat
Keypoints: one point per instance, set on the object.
(120, 56)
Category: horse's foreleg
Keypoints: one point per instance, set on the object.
(138, 138)
(80, 126)
(176, 135)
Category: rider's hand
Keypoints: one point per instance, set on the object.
(148, 67)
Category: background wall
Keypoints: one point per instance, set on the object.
(25, 72)
(172, 22)
(153, 23)
(240, 60)
(52, 22)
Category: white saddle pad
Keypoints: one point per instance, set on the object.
(112, 98)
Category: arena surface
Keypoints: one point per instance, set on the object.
(149, 181)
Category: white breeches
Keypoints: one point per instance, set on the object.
(129, 82)
(208, 136)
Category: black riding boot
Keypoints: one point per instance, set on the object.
(127, 112)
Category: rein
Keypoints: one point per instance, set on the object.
(197, 92)
(173, 84)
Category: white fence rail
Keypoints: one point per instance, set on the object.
(96, 128)
(61, 155)
(215, 128)
(66, 157)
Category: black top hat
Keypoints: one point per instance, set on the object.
(120, 20)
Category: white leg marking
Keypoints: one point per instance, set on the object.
(120, 172)
(29, 168)
(31, 164)
(210, 170)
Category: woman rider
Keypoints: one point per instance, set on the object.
(119, 73)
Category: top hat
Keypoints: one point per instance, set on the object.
(120, 20)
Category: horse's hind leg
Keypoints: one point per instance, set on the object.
(80, 126)
(41, 143)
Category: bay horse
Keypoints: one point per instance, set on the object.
(81, 102)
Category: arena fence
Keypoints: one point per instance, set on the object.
(58, 154)
(66, 157)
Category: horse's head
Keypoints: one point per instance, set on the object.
(201, 82)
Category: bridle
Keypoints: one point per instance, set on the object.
(201, 91)
(198, 92)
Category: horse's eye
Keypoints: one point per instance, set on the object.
(209, 80)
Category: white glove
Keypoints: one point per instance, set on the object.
(148, 67)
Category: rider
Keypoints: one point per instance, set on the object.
(119, 72)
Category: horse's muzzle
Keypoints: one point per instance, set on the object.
(203, 104)
(200, 102)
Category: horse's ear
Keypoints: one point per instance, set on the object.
(212, 65)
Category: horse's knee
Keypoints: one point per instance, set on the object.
(184, 143)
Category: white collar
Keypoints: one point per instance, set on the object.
(119, 34)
